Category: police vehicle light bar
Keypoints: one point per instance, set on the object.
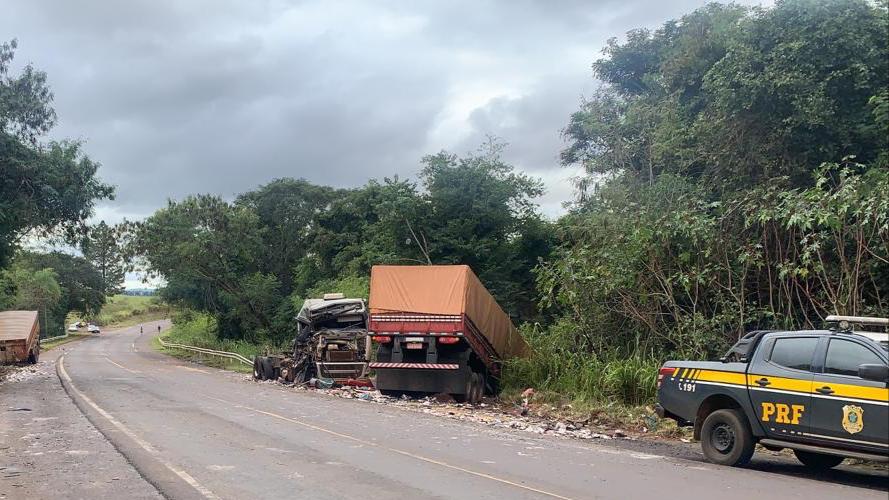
(861, 320)
(844, 323)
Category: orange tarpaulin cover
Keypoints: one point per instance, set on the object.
(445, 290)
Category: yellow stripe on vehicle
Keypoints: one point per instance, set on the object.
(676, 371)
(684, 373)
(722, 377)
(855, 391)
(782, 383)
(810, 386)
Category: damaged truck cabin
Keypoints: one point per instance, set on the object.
(331, 342)
(19, 337)
(438, 330)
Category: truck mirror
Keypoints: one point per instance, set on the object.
(879, 373)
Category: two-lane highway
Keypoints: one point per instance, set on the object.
(197, 432)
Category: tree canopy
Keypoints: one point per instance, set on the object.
(45, 189)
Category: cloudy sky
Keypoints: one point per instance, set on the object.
(178, 97)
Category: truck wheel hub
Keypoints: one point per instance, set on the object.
(723, 438)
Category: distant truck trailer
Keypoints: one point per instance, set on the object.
(19, 337)
(438, 330)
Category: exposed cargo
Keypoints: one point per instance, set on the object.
(438, 330)
(19, 337)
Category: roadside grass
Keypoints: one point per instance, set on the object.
(73, 337)
(610, 390)
(198, 330)
(127, 310)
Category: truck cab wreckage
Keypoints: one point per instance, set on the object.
(331, 343)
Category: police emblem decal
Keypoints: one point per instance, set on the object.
(853, 418)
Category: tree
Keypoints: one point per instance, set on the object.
(481, 213)
(287, 211)
(738, 97)
(81, 282)
(44, 188)
(34, 289)
(101, 247)
(739, 158)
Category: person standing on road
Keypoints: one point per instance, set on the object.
(140, 328)
(158, 328)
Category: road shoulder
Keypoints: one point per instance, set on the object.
(48, 447)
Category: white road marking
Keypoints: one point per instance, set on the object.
(192, 369)
(120, 366)
(206, 493)
(394, 450)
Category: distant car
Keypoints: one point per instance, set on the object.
(73, 327)
(92, 328)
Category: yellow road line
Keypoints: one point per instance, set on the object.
(121, 366)
(394, 450)
(151, 450)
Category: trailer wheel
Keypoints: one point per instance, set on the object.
(480, 388)
(33, 357)
(257, 368)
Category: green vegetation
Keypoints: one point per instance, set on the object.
(199, 330)
(48, 191)
(737, 165)
(128, 310)
(52, 344)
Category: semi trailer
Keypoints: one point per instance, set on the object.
(438, 330)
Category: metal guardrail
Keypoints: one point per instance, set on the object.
(222, 354)
(47, 339)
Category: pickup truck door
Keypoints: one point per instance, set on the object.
(848, 410)
(779, 380)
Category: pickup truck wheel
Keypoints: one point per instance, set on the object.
(257, 368)
(726, 438)
(818, 461)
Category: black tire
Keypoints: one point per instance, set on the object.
(33, 357)
(268, 370)
(257, 368)
(726, 438)
(818, 461)
(476, 389)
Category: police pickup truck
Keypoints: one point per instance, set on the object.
(822, 393)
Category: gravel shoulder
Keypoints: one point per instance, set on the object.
(48, 449)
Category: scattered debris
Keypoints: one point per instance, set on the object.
(21, 373)
(526, 416)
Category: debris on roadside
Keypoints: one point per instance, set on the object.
(15, 373)
(494, 413)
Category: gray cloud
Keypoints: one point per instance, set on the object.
(183, 97)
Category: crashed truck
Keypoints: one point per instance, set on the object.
(331, 343)
(438, 330)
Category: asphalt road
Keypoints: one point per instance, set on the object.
(196, 432)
